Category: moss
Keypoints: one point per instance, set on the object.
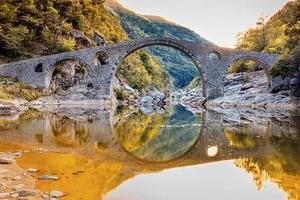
(121, 94)
(196, 82)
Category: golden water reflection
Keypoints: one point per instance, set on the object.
(109, 158)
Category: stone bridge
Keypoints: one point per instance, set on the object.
(211, 61)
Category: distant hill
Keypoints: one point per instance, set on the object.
(138, 26)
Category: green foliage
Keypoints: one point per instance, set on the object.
(195, 83)
(289, 63)
(159, 137)
(281, 34)
(242, 66)
(141, 71)
(37, 27)
(68, 44)
(239, 139)
(121, 94)
(178, 66)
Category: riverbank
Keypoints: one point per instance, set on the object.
(244, 90)
(250, 91)
(19, 183)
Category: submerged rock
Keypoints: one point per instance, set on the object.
(49, 178)
(4, 195)
(56, 194)
(27, 192)
(6, 161)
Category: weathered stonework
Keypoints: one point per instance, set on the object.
(38, 71)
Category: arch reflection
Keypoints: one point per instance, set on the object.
(159, 137)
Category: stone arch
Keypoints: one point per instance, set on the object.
(166, 43)
(215, 54)
(101, 58)
(52, 67)
(265, 65)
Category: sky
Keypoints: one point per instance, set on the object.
(218, 21)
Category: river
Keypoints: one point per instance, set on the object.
(172, 154)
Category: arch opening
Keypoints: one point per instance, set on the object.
(65, 74)
(101, 58)
(38, 68)
(179, 64)
(247, 73)
(214, 56)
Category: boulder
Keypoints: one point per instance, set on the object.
(147, 100)
(6, 161)
(56, 194)
(279, 84)
(81, 38)
(48, 178)
(295, 85)
(246, 86)
(99, 39)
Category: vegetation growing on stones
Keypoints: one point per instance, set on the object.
(10, 89)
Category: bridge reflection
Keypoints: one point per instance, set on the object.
(175, 138)
(114, 147)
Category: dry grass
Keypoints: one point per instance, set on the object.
(9, 89)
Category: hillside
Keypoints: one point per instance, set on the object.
(280, 34)
(138, 26)
(35, 28)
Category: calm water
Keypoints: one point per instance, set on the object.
(176, 154)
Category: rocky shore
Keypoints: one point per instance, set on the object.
(242, 90)
(18, 183)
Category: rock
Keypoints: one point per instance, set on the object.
(128, 88)
(56, 194)
(99, 39)
(6, 161)
(17, 154)
(15, 195)
(41, 150)
(147, 109)
(80, 38)
(48, 178)
(17, 178)
(4, 195)
(18, 187)
(45, 196)
(148, 100)
(279, 84)
(3, 172)
(27, 192)
(246, 86)
(32, 170)
(295, 85)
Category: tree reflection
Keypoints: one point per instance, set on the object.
(159, 137)
(282, 166)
